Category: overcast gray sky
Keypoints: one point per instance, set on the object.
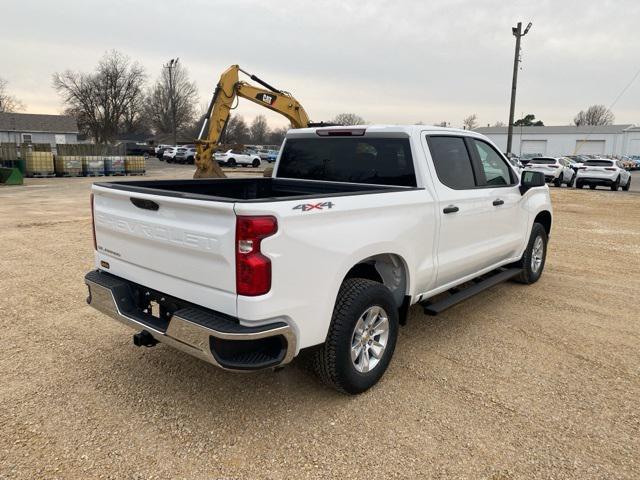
(389, 61)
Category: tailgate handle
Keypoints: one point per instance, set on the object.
(144, 203)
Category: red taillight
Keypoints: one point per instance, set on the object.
(253, 269)
(93, 226)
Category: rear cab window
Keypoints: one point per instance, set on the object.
(378, 161)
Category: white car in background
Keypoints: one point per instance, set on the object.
(605, 172)
(557, 170)
(232, 158)
(169, 154)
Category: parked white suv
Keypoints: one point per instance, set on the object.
(169, 154)
(557, 170)
(356, 225)
(232, 158)
(605, 172)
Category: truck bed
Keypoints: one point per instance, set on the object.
(248, 189)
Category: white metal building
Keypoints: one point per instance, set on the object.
(568, 140)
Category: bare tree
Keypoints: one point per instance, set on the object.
(348, 119)
(276, 136)
(594, 115)
(158, 101)
(8, 103)
(103, 100)
(259, 130)
(471, 122)
(499, 124)
(236, 131)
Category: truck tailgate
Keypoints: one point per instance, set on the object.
(181, 247)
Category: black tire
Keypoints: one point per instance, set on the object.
(529, 275)
(190, 160)
(579, 184)
(615, 185)
(627, 186)
(573, 179)
(557, 181)
(255, 163)
(592, 187)
(231, 163)
(332, 360)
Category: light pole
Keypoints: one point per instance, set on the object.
(518, 33)
(173, 63)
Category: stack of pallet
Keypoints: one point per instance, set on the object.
(68, 165)
(40, 164)
(134, 165)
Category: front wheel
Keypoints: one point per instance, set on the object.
(256, 163)
(534, 257)
(231, 163)
(361, 339)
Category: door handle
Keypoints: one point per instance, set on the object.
(497, 202)
(450, 209)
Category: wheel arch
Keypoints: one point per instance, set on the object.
(390, 269)
(544, 218)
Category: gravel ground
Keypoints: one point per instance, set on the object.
(518, 382)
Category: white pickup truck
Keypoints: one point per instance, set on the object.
(355, 225)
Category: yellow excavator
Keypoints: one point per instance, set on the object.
(229, 88)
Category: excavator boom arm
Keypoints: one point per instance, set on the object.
(228, 89)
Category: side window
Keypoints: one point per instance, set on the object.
(452, 162)
(496, 171)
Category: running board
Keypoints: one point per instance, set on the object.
(460, 295)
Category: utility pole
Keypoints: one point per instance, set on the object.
(518, 33)
(173, 63)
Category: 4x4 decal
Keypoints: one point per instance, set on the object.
(305, 207)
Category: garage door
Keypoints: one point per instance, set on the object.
(536, 147)
(634, 147)
(590, 147)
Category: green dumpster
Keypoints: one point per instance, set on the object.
(10, 176)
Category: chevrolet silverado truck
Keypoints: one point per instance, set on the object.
(356, 225)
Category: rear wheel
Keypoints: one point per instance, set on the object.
(557, 181)
(615, 185)
(534, 257)
(592, 187)
(231, 162)
(628, 185)
(361, 339)
(579, 184)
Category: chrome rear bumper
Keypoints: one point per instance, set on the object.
(212, 337)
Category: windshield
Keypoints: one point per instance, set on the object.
(382, 161)
(543, 161)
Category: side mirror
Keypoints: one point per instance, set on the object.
(531, 179)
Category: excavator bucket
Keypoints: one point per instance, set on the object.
(10, 176)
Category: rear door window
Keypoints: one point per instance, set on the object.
(452, 161)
